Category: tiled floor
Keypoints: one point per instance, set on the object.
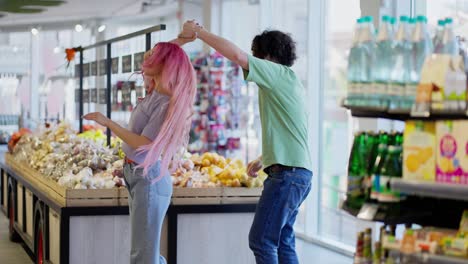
(10, 253)
(13, 253)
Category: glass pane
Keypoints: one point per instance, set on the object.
(440, 9)
(336, 130)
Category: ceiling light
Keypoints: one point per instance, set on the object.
(57, 50)
(15, 49)
(35, 31)
(78, 28)
(101, 28)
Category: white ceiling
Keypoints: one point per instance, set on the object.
(76, 10)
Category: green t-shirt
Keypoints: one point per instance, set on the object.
(283, 113)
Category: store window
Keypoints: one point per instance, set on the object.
(440, 9)
(334, 224)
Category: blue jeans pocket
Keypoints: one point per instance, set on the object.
(164, 186)
(297, 193)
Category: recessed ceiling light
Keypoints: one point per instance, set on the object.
(15, 49)
(57, 50)
(35, 31)
(101, 28)
(78, 28)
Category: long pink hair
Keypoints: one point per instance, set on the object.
(176, 75)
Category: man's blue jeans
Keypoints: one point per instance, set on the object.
(272, 236)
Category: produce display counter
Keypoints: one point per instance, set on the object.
(203, 225)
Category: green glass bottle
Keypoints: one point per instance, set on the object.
(391, 168)
(373, 143)
(376, 170)
(355, 166)
(392, 138)
(399, 139)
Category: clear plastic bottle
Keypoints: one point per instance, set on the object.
(354, 65)
(383, 63)
(402, 65)
(366, 57)
(421, 48)
(449, 41)
(439, 33)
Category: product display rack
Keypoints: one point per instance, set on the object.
(428, 203)
(425, 258)
(431, 189)
(402, 115)
(33, 206)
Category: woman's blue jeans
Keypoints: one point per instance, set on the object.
(148, 203)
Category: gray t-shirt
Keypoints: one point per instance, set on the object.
(146, 120)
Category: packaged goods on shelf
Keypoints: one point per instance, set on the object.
(217, 120)
(74, 162)
(419, 151)
(416, 245)
(393, 72)
(213, 170)
(452, 160)
(374, 160)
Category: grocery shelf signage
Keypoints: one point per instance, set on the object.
(86, 95)
(94, 68)
(115, 65)
(102, 92)
(102, 67)
(137, 61)
(127, 64)
(86, 70)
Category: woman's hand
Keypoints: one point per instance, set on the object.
(98, 118)
(191, 28)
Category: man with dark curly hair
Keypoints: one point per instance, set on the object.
(285, 134)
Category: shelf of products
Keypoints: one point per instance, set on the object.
(420, 245)
(218, 124)
(391, 214)
(431, 189)
(425, 258)
(423, 180)
(402, 115)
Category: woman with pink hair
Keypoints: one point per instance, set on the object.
(158, 129)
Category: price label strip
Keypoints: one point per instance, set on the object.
(368, 211)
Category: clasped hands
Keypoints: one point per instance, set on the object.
(190, 30)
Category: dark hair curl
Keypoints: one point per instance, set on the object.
(276, 46)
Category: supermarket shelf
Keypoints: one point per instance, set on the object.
(391, 214)
(402, 115)
(425, 258)
(432, 189)
(435, 259)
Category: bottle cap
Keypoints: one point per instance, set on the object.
(441, 22)
(448, 20)
(386, 18)
(412, 21)
(404, 18)
(422, 19)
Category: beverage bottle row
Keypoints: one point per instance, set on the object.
(375, 159)
(384, 69)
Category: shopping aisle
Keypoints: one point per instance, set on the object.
(10, 253)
